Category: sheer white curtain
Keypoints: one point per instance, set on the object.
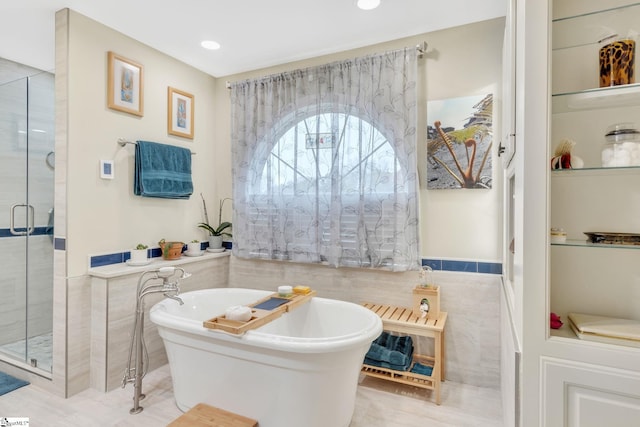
(324, 164)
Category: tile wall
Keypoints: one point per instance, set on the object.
(470, 297)
(112, 316)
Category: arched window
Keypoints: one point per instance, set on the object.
(325, 165)
(313, 150)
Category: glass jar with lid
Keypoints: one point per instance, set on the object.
(622, 147)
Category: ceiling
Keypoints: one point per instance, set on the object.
(253, 33)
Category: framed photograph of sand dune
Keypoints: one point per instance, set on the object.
(180, 113)
(125, 85)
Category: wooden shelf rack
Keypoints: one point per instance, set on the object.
(402, 320)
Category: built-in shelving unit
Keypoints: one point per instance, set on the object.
(585, 277)
(567, 376)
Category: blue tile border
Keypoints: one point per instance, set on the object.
(59, 243)
(155, 253)
(466, 266)
(463, 266)
(37, 231)
(119, 257)
(101, 260)
(490, 268)
(434, 263)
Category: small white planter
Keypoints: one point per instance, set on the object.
(138, 255)
(193, 247)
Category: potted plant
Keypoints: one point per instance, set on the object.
(193, 246)
(215, 233)
(139, 253)
(171, 250)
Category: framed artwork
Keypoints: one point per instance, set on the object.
(180, 117)
(459, 141)
(125, 85)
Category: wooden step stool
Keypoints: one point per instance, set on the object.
(203, 415)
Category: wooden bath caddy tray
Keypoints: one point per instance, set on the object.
(263, 311)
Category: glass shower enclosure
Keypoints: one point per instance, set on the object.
(26, 221)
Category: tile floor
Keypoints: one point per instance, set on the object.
(379, 404)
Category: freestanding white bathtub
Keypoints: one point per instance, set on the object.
(300, 370)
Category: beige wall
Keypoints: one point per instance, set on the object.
(104, 215)
(461, 61)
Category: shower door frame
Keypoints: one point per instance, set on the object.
(29, 141)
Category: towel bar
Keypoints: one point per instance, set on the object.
(122, 142)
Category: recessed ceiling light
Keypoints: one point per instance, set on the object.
(367, 4)
(210, 44)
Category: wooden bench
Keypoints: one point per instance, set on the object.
(402, 319)
(203, 415)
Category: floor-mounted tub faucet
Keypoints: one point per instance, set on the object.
(170, 289)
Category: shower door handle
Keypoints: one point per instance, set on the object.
(30, 220)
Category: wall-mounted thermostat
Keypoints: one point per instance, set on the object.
(106, 169)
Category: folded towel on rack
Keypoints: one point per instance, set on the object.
(387, 358)
(390, 351)
(382, 354)
(162, 171)
(402, 344)
(379, 364)
(419, 368)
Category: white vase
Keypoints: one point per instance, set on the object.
(193, 247)
(215, 242)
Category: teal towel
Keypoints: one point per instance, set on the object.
(386, 365)
(382, 354)
(390, 351)
(162, 171)
(419, 368)
(403, 344)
